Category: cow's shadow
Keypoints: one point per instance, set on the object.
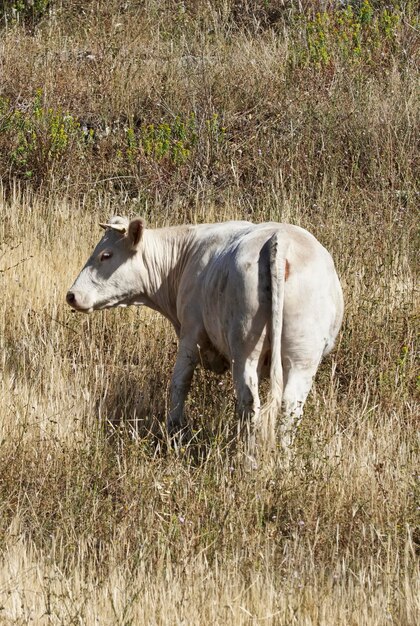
(131, 409)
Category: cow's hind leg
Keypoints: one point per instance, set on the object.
(299, 376)
(245, 380)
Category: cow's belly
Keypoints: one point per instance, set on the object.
(236, 299)
(232, 336)
(212, 360)
(217, 348)
(236, 323)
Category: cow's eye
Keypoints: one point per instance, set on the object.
(105, 255)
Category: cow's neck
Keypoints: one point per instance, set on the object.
(164, 254)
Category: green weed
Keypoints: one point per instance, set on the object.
(172, 143)
(39, 136)
(349, 33)
(28, 11)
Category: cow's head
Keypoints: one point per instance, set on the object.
(107, 278)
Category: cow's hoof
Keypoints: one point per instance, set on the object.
(179, 438)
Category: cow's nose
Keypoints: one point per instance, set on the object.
(70, 297)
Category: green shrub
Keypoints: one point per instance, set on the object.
(348, 33)
(171, 143)
(39, 137)
(28, 11)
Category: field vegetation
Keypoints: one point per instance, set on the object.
(304, 112)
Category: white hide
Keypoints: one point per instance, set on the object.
(259, 298)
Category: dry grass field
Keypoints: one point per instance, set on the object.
(303, 112)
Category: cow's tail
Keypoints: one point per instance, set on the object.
(278, 272)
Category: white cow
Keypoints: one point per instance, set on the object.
(260, 298)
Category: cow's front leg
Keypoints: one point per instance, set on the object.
(186, 361)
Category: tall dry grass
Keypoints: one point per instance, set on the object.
(99, 523)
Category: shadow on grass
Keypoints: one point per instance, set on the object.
(134, 410)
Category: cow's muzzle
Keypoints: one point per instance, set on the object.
(70, 298)
(77, 303)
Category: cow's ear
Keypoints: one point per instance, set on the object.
(135, 230)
